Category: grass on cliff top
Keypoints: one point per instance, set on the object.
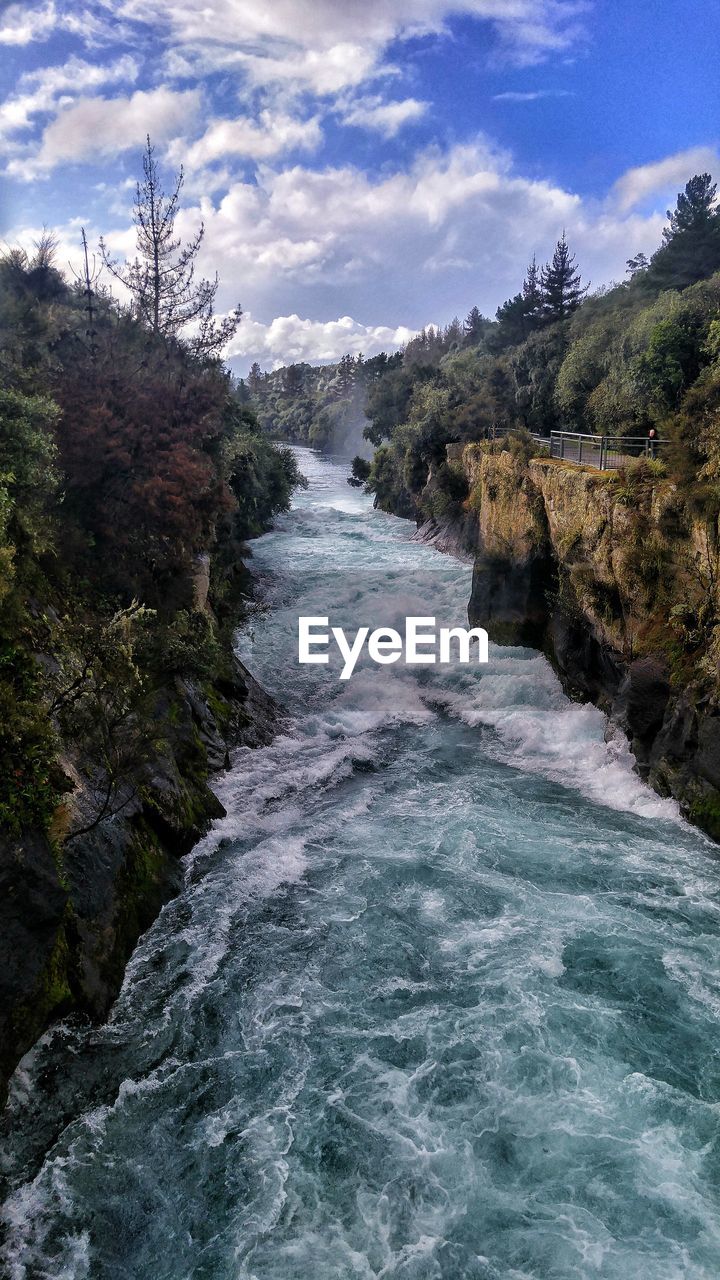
(564, 464)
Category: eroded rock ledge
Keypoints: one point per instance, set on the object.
(616, 580)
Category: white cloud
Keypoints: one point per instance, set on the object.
(533, 95)
(39, 91)
(663, 176)
(387, 118)
(323, 71)
(94, 23)
(95, 127)
(20, 25)
(290, 339)
(271, 135)
(392, 251)
(451, 230)
(330, 45)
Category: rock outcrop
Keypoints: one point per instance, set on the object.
(74, 903)
(617, 581)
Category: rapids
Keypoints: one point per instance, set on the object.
(439, 999)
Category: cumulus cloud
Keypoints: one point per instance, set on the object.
(387, 118)
(663, 176)
(297, 246)
(272, 134)
(94, 127)
(40, 91)
(291, 339)
(456, 228)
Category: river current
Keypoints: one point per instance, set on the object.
(440, 997)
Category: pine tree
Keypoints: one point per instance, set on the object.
(87, 280)
(521, 315)
(696, 207)
(452, 337)
(166, 295)
(562, 291)
(691, 242)
(473, 327)
(346, 375)
(255, 378)
(532, 291)
(636, 265)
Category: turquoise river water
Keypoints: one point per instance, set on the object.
(440, 997)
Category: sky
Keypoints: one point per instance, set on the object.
(362, 167)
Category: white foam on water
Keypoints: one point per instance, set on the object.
(541, 731)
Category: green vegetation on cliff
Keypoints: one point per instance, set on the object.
(321, 406)
(642, 354)
(132, 473)
(128, 468)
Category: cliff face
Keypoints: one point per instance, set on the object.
(617, 581)
(74, 902)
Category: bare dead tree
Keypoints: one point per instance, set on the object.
(87, 279)
(167, 295)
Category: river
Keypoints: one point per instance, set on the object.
(439, 998)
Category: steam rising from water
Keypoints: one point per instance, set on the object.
(439, 998)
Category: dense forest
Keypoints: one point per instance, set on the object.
(643, 353)
(128, 465)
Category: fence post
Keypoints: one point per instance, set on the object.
(603, 452)
(562, 444)
(580, 439)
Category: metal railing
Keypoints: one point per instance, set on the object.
(499, 433)
(603, 452)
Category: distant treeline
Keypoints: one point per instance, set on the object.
(323, 406)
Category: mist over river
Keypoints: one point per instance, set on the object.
(439, 999)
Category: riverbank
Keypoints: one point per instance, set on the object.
(75, 900)
(614, 576)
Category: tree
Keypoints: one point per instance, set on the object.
(474, 326)
(532, 291)
(255, 378)
(521, 315)
(512, 323)
(560, 280)
(453, 335)
(637, 264)
(293, 379)
(166, 295)
(359, 472)
(691, 242)
(345, 375)
(695, 207)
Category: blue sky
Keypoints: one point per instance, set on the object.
(365, 168)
